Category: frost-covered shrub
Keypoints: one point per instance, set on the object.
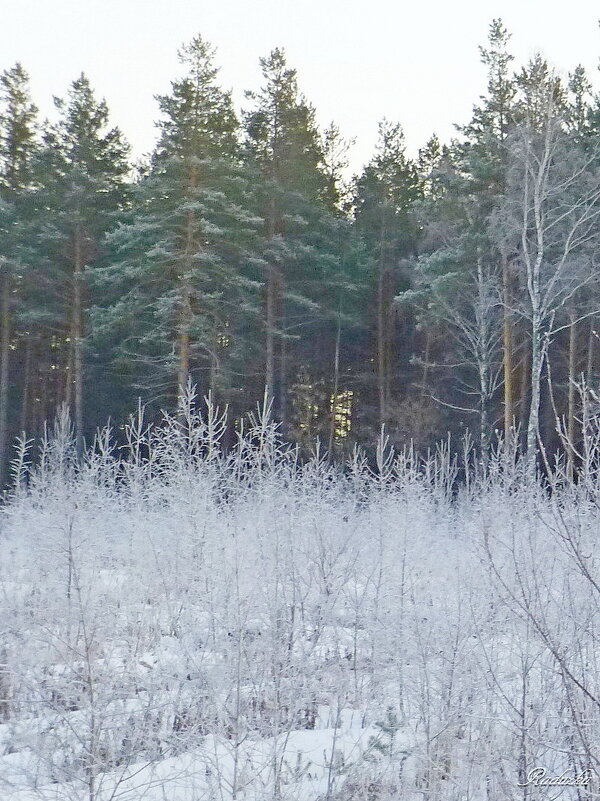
(244, 625)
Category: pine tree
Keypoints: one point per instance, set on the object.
(180, 281)
(284, 145)
(537, 83)
(384, 197)
(81, 172)
(17, 146)
(334, 149)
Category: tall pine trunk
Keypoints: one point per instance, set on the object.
(426, 357)
(389, 323)
(213, 380)
(77, 337)
(271, 302)
(24, 418)
(185, 305)
(183, 338)
(69, 373)
(4, 371)
(336, 384)
(183, 344)
(381, 326)
(270, 335)
(282, 376)
(509, 413)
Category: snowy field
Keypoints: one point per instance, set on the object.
(177, 625)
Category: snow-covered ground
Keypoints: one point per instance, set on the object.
(177, 625)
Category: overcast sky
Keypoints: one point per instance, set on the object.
(414, 62)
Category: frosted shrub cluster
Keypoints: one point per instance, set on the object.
(178, 623)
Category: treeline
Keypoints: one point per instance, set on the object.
(455, 291)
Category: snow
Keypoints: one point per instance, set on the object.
(192, 627)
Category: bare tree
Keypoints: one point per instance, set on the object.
(549, 219)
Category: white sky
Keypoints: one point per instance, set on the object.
(414, 62)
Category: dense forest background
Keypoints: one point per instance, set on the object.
(454, 292)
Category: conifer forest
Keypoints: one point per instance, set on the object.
(300, 469)
(454, 292)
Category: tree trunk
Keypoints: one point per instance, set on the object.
(283, 381)
(427, 356)
(270, 336)
(381, 327)
(484, 434)
(36, 393)
(4, 373)
(484, 366)
(509, 413)
(537, 361)
(24, 419)
(69, 373)
(77, 338)
(183, 343)
(214, 365)
(270, 309)
(590, 353)
(185, 307)
(390, 322)
(571, 395)
(336, 385)
(524, 388)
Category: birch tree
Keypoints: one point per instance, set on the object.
(549, 217)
